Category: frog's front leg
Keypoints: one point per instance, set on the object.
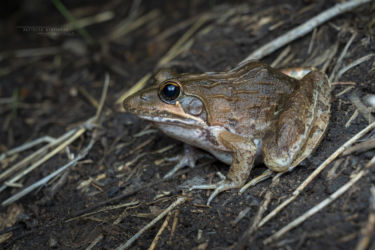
(243, 160)
(188, 159)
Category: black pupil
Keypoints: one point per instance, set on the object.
(171, 91)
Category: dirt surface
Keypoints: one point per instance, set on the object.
(50, 93)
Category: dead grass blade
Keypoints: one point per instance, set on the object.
(316, 172)
(353, 64)
(368, 229)
(46, 179)
(341, 57)
(161, 230)
(303, 29)
(77, 133)
(127, 244)
(322, 204)
(362, 108)
(68, 15)
(65, 140)
(181, 45)
(108, 208)
(26, 146)
(127, 25)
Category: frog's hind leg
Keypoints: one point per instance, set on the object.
(301, 124)
(320, 125)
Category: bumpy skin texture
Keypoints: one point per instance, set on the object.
(248, 112)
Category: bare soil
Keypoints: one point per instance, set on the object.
(49, 94)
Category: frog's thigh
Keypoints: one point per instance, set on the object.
(301, 124)
(243, 156)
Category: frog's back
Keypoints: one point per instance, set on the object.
(244, 100)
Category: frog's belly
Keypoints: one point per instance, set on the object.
(198, 137)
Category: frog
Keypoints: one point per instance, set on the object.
(248, 114)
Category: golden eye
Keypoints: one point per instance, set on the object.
(169, 91)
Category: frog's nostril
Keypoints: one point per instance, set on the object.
(145, 97)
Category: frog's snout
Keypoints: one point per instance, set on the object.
(130, 103)
(140, 101)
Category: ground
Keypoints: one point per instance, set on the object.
(57, 84)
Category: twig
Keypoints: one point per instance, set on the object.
(129, 25)
(73, 134)
(127, 244)
(26, 146)
(360, 147)
(344, 83)
(161, 230)
(351, 119)
(313, 37)
(108, 208)
(303, 29)
(89, 98)
(316, 172)
(321, 205)
(345, 91)
(368, 229)
(77, 134)
(87, 21)
(183, 40)
(181, 45)
(353, 64)
(245, 237)
(362, 108)
(240, 216)
(174, 226)
(133, 190)
(46, 179)
(94, 242)
(174, 29)
(341, 57)
(281, 56)
(264, 176)
(128, 192)
(34, 155)
(102, 99)
(332, 50)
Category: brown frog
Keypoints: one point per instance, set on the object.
(250, 112)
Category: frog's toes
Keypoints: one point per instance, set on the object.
(218, 188)
(182, 161)
(188, 159)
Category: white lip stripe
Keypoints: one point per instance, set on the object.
(196, 122)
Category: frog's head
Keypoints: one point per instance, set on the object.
(166, 102)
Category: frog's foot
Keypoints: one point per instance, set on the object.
(188, 159)
(223, 185)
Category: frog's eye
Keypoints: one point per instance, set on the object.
(169, 91)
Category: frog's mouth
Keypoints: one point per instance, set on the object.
(177, 121)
